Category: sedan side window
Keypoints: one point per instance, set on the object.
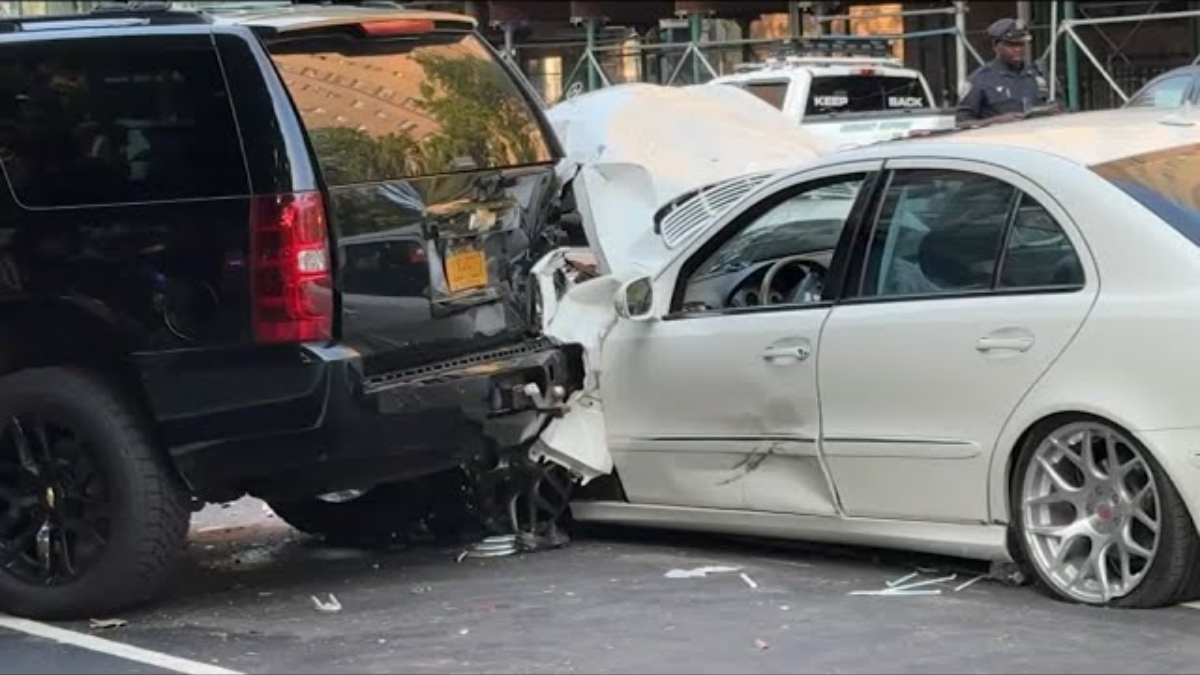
(781, 255)
(952, 232)
(938, 232)
(1039, 254)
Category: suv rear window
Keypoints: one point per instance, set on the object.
(104, 121)
(836, 94)
(1166, 182)
(382, 110)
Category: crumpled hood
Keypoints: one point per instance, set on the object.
(632, 149)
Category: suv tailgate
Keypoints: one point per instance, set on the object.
(440, 172)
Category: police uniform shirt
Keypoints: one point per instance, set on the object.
(998, 89)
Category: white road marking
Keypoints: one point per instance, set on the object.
(117, 649)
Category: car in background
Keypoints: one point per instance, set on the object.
(1171, 90)
(847, 100)
(911, 345)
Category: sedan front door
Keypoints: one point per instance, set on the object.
(715, 404)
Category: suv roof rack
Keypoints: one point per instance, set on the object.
(107, 14)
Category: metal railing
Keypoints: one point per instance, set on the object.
(1067, 32)
(668, 63)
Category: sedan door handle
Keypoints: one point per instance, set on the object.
(787, 352)
(1004, 344)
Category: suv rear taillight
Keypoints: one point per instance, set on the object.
(290, 281)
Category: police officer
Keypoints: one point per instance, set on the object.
(1007, 88)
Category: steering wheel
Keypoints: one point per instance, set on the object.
(812, 281)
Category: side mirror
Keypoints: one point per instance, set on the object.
(635, 300)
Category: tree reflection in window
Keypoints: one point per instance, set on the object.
(444, 107)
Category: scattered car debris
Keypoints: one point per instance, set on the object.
(906, 586)
(107, 624)
(923, 584)
(494, 547)
(749, 582)
(893, 584)
(889, 592)
(1007, 573)
(700, 572)
(967, 584)
(330, 607)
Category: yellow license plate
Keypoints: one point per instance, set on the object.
(466, 269)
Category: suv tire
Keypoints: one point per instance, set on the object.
(77, 456)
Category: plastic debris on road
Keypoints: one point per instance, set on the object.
(700, 572)
(332, 606)
(964, 586)
(106, 624)
(907, 587)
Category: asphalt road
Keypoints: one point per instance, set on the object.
(604, 606)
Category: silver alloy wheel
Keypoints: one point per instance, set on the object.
(1091, 513)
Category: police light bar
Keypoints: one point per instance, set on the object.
(837, 46)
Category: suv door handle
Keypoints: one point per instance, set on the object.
(789, 351)
(1005, 344)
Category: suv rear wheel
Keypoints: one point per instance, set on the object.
(91, 518)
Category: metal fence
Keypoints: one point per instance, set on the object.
(579, 68)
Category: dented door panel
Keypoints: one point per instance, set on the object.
(703, 413)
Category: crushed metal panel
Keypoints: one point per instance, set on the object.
(636, 148)
(585, 315)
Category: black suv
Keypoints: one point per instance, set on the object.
(280, 251)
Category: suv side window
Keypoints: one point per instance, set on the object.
(805, 226)
(108, 121)
(951, 232)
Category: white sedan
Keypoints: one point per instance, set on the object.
(981, 345)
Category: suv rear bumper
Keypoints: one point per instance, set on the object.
(337, 429)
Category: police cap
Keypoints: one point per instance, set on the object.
(1008, 30)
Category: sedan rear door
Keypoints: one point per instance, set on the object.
(975, 280)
